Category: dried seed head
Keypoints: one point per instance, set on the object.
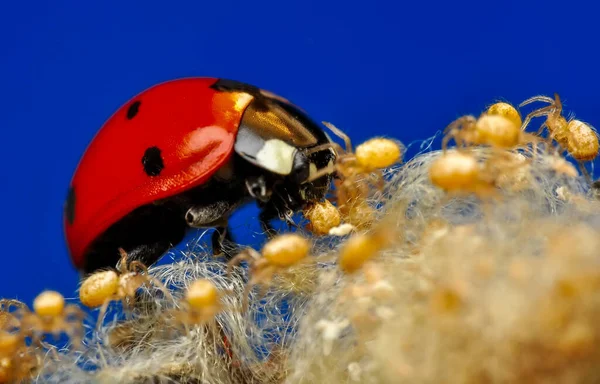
(322, 216)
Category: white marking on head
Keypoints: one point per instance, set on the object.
(312, 169)
(276, 156)
(302, 194)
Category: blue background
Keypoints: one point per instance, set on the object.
(404, 69)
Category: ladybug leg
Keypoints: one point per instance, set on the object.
(202, 216)
(212, 215)
(258, 189)
(288, 217)
(149, 253)
(265, 218)
(219, 236)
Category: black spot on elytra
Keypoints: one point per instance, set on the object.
(70, 205)
(224, 85)
(260, 103)
(152, 161)
(133, 109)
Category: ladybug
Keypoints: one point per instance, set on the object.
(187, 153)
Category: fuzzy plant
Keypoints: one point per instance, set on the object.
(474, 264)
(459, 291)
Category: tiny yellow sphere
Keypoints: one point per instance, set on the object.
(202, 294)
(6, 318)
(8, 343)
(99, 287)
(445, 301)
(454, 172)
(322, 216)
(508, 111)
(49, 303)
(286, 250)
(357, 251)
(579, 339)
(497, 131)
(582, 141)
(6, 370)
(377, 153)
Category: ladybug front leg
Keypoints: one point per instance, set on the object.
(215, 215)
(265, 217)
(219, 237)
(257, 188)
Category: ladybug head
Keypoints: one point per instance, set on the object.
(296, 153)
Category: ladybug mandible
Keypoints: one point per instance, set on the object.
(185, 154)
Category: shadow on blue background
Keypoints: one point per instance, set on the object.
(404, 69)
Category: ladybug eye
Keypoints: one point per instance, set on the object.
(133, 110)
(301, 168)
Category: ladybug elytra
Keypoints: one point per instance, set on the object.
(185, 154)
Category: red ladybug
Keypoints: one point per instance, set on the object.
(185, 154)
